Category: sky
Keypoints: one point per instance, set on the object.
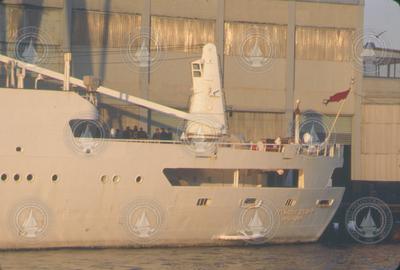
(384, 15)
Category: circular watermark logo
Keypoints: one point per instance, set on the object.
(31, 221)
(87, 136)
(143, 220)
(143, 52)
(258, 223)
(314, 132)
(369, 50)
(201, 136)
(32, 45)
(256, 51)
(369, 220)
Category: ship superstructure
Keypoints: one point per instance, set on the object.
(63, 186)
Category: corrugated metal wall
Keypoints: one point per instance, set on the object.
(182, 34)
(327, 44)
(20, 25)
(256, 126)
(237, 34)
(99, 38)
(380, 149)
(99, 29)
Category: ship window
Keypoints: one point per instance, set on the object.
(226, 177)
(54, 178)
(282, 178)
(4, 177)
(196, 74)
(196, 68)
(29, 177)
(86, 128)
(250, 202)
(199, 177)
(116, 179)
(139, 179)
(325, 203)
(290, 202)
(16, 177)
(104, 178)
(203, 202)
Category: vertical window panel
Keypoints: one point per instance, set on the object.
(98, 29)
(383, 71)
(324, 44)
(397, 72)
(14, 21)
(392, 70)
(271, 39)
(181, 34)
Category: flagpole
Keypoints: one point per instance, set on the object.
(338, 114)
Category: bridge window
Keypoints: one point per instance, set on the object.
(197, 70)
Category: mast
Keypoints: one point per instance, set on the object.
(67, 44)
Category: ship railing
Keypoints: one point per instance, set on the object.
(327, 150)
(150, 141)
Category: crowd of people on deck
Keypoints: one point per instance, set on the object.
(137, 133)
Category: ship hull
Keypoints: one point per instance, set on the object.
(57, 190)
(98, 201)
(103, 219)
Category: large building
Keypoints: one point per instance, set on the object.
(272, 52)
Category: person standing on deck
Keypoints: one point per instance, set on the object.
(157, 135)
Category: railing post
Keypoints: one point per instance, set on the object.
(67, 71)
(236, 176)
(20, 77)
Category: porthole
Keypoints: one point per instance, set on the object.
(54, 178)
(29, 177)
(104, 179)
(18, 149)
(116, 179)
(16, 177)
(4, 177)
(139, 179)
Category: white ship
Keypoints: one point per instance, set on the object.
(64, 191)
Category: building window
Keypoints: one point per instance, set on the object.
(241, 39)
(397, 71)
(100, 30)
(391, 70)
(324, 44)
(383, 71)
(182, 34)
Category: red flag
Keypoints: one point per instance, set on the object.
(337, 97)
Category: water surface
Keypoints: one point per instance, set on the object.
(274, 257)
